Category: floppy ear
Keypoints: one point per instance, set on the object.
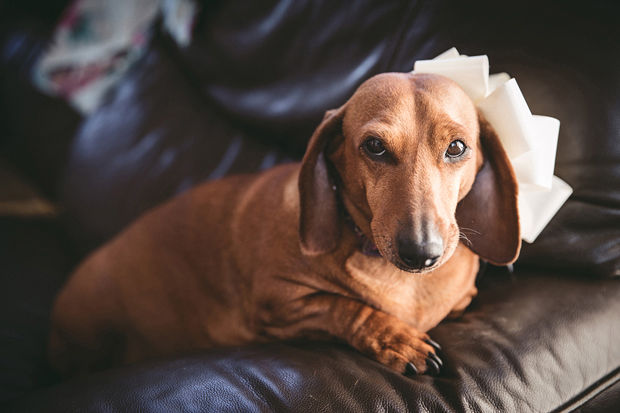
(490, 208)
(319, 229)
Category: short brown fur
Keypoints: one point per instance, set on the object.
(252, 259)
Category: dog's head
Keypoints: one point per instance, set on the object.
(417, 168)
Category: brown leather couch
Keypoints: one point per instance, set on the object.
(246, 94)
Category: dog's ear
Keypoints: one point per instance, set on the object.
(319, 229)
(488, 214)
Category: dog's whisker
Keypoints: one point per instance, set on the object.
(470, 229)
(464, 237)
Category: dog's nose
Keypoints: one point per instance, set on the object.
(420, 255)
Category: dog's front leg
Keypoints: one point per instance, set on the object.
(374, 333)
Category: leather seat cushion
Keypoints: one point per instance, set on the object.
(533, 344)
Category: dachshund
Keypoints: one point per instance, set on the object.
(371, 240)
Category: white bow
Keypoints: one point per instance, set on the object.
(529, 140)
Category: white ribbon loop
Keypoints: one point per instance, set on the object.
(529, 140)
(534, 169)
(506, 110)
(470, 73)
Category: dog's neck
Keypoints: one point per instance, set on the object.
(368, 247)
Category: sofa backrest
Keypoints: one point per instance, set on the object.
(263, 73)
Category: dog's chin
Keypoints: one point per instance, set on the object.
(395, 261)
(403, 267)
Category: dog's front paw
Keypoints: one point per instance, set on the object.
(397, 345)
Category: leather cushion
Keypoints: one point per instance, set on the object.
(35, 129)
(35, 258)
(534, 344)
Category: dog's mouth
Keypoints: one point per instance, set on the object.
(404, 262)
(414, 270)
(370, 249)
(413, 258)
(410, 252)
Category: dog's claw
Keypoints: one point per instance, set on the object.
(433, 367)
(436, 359)
(433, 344)
(410, 369)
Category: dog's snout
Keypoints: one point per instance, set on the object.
(420, 254)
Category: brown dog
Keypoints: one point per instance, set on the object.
(288, 254)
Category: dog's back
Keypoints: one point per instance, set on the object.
(172, 281)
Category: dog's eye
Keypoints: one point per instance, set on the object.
(455, 149)
(375, 147)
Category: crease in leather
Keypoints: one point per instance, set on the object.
(591, 393)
